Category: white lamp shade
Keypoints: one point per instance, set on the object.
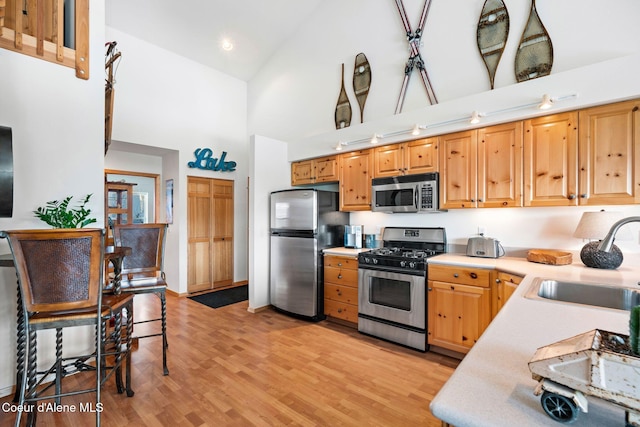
(595, 225)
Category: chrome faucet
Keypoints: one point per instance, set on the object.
(607, 242)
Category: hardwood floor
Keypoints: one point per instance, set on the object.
(229, 367)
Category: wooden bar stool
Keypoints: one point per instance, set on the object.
(60, 276)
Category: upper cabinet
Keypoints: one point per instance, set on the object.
(482, 168)
(314, 171)
(355, 180)
(48, 30)
(419, 156)
(551, 160)
(609, 161)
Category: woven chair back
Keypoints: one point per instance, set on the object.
(59, 269)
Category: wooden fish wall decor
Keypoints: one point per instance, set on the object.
(534, 57)
(361, 81)
(493, 30)
(343, 108)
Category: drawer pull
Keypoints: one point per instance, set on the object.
(455, 274)
(339, 293)
(339, 276)
(339, 264)
(473, 275)
(339, 310)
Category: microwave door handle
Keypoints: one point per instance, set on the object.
(416, 196)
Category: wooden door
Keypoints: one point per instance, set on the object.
(388, 160)
(326, 169)
(302, 172)
(222, 233)
(421, 156)
(500, 166)
(608, 154)
(457, 315)
(210, 243)
(355, 180)
(458, 169)
(551, 160)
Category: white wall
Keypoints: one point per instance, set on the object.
(58, 151)
(269, 163)
(164, 100)
(293, 97)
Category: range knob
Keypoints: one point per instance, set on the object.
(403, 264)
(412, 264)
(367, 260)
(375, 260)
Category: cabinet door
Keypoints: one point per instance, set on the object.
(302, 172)
(551, 160)
(505, 285)
(500, 166)
(421, 156)
(388, 160)
(355, 180)
(458, 152)
(457, 315)
(326, 169)
(608, 154)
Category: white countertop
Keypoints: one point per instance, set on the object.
(493, 386)
(344, 251)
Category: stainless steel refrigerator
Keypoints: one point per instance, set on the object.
(303, 223)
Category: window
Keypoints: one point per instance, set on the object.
(54, 30)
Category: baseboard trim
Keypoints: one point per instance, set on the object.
(255, 310)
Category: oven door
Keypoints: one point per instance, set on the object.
(394, 297)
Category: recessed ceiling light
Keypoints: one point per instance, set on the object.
(227, 45)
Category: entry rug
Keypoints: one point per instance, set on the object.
(224, 297)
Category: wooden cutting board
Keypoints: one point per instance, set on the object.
(549, 256)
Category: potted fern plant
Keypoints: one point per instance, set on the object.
(58, 214)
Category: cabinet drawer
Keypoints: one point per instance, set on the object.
(341, 310)
(339, 293)
(341, 276)
(461, 275)
(341, 262)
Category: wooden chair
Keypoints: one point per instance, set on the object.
(142, 271)
(60, 276)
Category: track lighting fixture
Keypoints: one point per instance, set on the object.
(475, 118)
(547, 102)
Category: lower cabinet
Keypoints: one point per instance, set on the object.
(459, 306)
(341, 288)
(505, 285)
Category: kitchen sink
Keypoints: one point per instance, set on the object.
(593, 294)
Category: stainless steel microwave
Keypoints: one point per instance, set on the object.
(407, 193)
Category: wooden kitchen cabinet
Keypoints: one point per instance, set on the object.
(419, 156)
(324, 169)
(505, 285)
(482, 168)
(356, 170)
(341, 288)
(551, 160)
(609, 156)
(459, 306)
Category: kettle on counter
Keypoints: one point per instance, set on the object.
(484, 247)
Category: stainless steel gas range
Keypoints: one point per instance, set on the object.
(392, 285)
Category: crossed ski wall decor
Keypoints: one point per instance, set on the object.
(415, 58)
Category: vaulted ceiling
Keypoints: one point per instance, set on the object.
(196, 29)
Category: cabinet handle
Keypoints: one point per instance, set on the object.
(339, 310)
(473, 200)
(429, 289)
(473, 275)
(339, 276)
(339, 293)
(479, 200)
(572, 196)
(497, 280)
(583, 196)
(455, 274)
(339, 264)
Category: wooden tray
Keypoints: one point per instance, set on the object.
(549, 256)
